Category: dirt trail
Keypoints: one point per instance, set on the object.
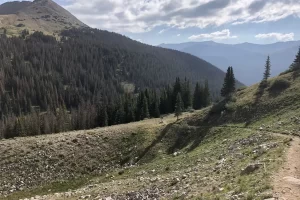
(287, 180)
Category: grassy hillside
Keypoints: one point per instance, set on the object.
(40, 15)
(228, 151)
(174, 160)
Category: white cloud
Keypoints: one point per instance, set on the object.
(162, 31)
(178, 35)
(141, 16)
(276, 36)
(219, 35)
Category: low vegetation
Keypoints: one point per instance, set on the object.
(228, 153)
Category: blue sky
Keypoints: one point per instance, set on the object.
(175, 21)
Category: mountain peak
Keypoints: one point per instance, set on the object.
(13, 7)
(39, 15)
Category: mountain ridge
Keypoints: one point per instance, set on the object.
(224, 55)
(40, 15)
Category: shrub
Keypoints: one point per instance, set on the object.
(230, 106)
(279, 85)
(218, 107)
(20, 25)
(241, 88)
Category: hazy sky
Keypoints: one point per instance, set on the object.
(174, 21)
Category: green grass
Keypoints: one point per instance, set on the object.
(203, 140)
(51, 188)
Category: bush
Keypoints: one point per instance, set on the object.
(218, 107)
(230, 106)
(279, 85)
(20, 25)
(241, 88)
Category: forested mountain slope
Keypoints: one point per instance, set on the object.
(231, 150)
(51, 86)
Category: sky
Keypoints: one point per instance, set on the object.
(176, 21)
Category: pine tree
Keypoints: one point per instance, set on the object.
(186, 91)
(267, 69)
(296, 63)
(224, 90)
(103, 116)
(197, 97)
(176, 89)
(229, 83)
(206, 95)
(120, 114)
(156, 113)
(232, 81)
(178, 106)
(145, 109)
(129, 110)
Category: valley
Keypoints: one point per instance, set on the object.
(246, 58)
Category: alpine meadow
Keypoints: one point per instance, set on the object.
(156, 99)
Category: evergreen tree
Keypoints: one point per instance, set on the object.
(163, 102)
(129, 110)
(139, 106)
(176, 89)
(120, 114)
(178, 106)
(296, 63)
(267, 69)
(206, 95)
(186, 91)
(145, 109)
(197, 97)
(154, 110)
(229, 83)
(103, 116)
(156, 113)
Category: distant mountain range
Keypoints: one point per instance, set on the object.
(247, 59)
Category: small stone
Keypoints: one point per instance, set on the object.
(250, 168)
(121, 172)
(175, 181)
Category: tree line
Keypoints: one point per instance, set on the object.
(64, 84)
(129, 107)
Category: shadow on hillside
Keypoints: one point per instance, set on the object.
(154, 142)
(295, 74)
(192, 139)
(260, 91)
